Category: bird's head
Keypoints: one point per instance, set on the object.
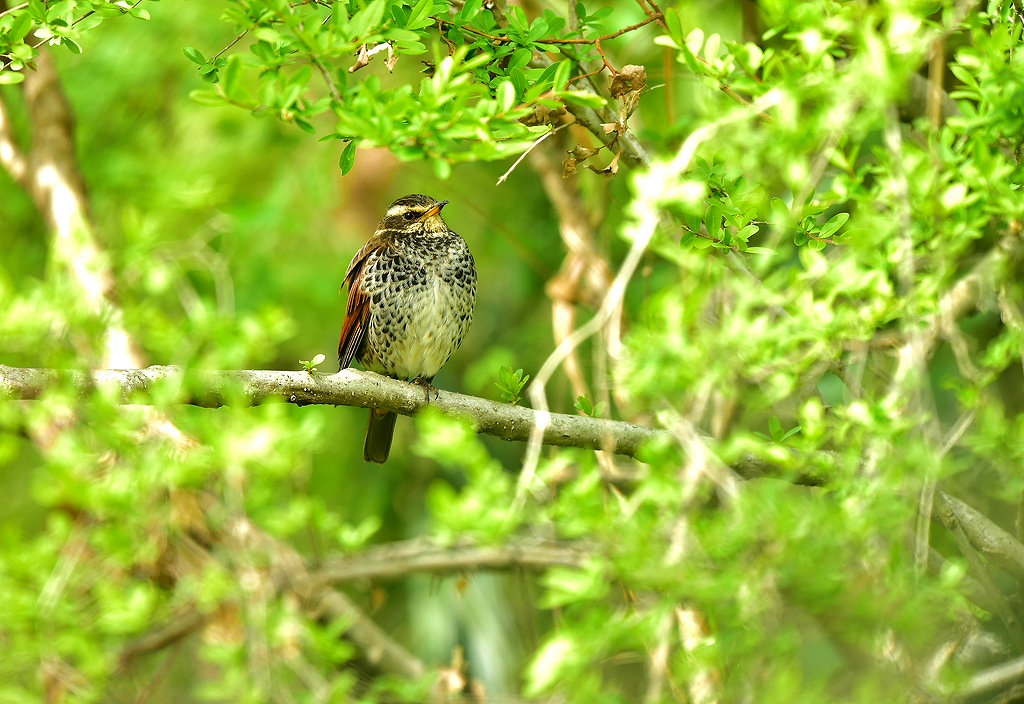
(415, 214)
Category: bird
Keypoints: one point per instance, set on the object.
(411, 297)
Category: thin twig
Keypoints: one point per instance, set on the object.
(527, 152)
(402, 560)
(231, 44)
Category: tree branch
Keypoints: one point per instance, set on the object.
(998, 546)
(287, 573)
(999, 676)
(349, 387)
(399, 560)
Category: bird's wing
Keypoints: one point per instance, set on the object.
(357, 310)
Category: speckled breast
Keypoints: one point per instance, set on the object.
(421, 306)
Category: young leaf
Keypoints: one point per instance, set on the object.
(348, 158)
(194, 55)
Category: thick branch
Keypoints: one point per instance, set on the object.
(348, 387)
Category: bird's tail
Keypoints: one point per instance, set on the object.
(379, 431)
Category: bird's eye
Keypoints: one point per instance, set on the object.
(410, 215)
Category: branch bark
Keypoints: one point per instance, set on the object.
(399, 560)
(997, 545)
(349, 387)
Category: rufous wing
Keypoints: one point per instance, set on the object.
(357, 310)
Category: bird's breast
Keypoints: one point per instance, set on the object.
(420, 310)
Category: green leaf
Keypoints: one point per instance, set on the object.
(511, 383)
(584, 405)
(833, 225)
(520, 59)
(780, 211)
(470, 10)
(537, 30)
(20, 27)
(232, 73)
(11, 77)
(713, 221)
(194, 55)
(548, 663)
(518, 79)
(59, 10)
(517, 18)
(73, 46)
(367, 19)
(561, 78)
(674, 24)
(348, 158)
(695, 41)
(747, 232)
(584, 98)
(420, 15)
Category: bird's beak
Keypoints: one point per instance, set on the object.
(435, 210)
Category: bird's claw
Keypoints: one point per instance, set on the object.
(427, 389)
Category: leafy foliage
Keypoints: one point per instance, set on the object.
(510, 384)
(588, 408)
(819, 244)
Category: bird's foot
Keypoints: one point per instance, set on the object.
(428, 388)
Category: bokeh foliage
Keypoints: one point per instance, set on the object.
(829, 281)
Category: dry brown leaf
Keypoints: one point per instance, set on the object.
(631, 79)
(362, 59)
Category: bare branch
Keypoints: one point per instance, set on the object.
(348, 387)
(998, 677)
(399, 560)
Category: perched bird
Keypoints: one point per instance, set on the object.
(411, 294)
